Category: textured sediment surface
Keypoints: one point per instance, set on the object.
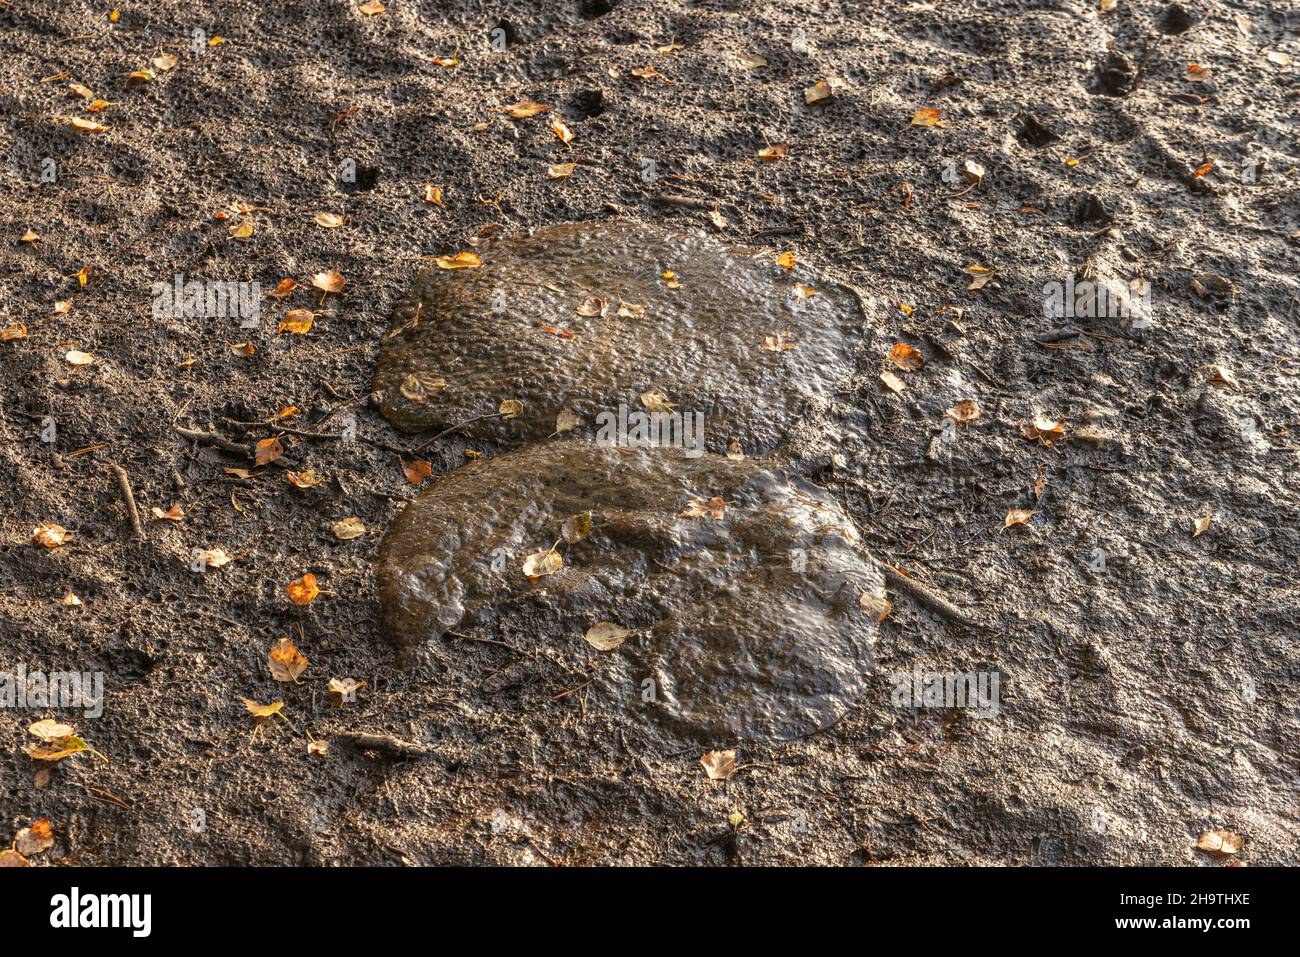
(746, 620)
(587, 316)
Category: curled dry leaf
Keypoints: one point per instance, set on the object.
(303, 591)
(1017, 516)
(734, 451)
(719, 765)
(372, 8)
(892, 382)
(561, 130)
(818, 92)
(297, 321)
(592, 306)
(49, 730)
(432, 194)
(330, 220)
(267, 450)
(240, 230)
(76, 357)
(906, 357)
(459, 261)
(164, 62)
(543, 563)
(655, 401)
(710, 508)
(1201, 525)
(174, 514)
(670, 279)
(1042, 428)
(11, 858)
(418, 386)
(630, 310)
(80, 125)
(524, 109)
(782, 342)
(212, 557)
(606, 636)
(49, 535)
(927, 117)
(16, 330)
(286, 662)
(510, 408)
(786, 260)
(261, 712)
(36, 839)
(772, 153)
(344, 690)
(283, 289)
(417, 471)
(305, 479)
(346, 529)
(318, 748)
(561, 170)
(331, 281)
(1220, 843)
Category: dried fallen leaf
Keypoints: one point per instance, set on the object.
(1042, 428)
(432, 194)
(561, 170)
(710, 508)
(240, 230)
(566, 421)
(524, 109)
(606, 636)
(417, 471)
(303, 591)
(510, 408)
(670, 279)
(243, 348)
(592, 306)
(309, 478)
(1221, 377)
(1017, 516)
(782, 342)
(261, 712)
(543, 563)
(82, 91)
(331, 281)
(212, 557)
(286, 662)
(174, 514)
(318, 748)
(344, 690)
(36, 839)
(655, 401)
(298, 321)
(79, 125)
(17, 330)
(786, 260)
(76, 357)
(734, 451)
(878, 606)
(330, 220)
(1220, 843)
(927, 117)
(818, 92)
(561, 129)
(905, 357)
(630, 310)
(48, 730)
(719, 765)
(964, 411)
(346, 529)
(164, 61)
(267, 450)
(892, 382)
(459, 261)
(770, 154)
(49, 536)
(11, 858)
(283, 289)
(371, 8)
(1201, 524)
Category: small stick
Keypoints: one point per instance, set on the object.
(219, 441)
(128, 499)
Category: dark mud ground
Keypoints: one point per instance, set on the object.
(1147, 697)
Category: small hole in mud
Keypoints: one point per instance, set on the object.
(587, 104)
(367, 178)
(591, 9)
(508, 32)
(1176, 19)
(1033, 134)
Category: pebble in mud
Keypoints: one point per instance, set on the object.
(583, 317)
(750, 626)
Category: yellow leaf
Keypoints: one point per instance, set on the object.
(926, 117)
(346, 529)
(304, 590)
(262, 711)
(371, 8)
(524, 109)
(286, 662)
(297, 321)
(786, 260)
(331, 281)
(433, 194)
(459, 261)
(905, 357)
(543, 563)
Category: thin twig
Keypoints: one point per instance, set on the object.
(128, 499)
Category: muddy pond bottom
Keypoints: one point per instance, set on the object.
(732, 592)
(589, 323)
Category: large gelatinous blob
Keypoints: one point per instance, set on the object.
(748, 626)
(581, 318)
